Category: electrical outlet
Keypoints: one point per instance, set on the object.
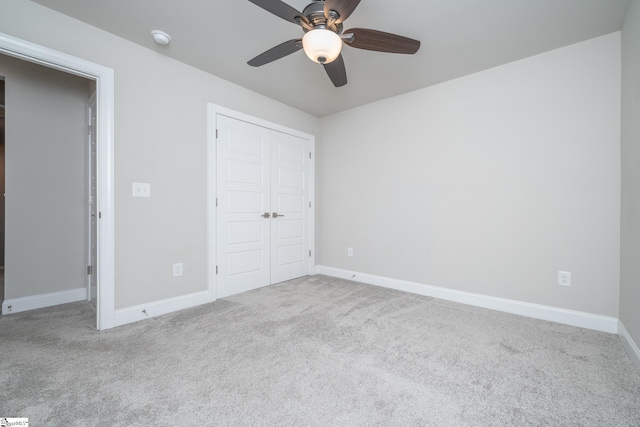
(178, 269)
(564, 278)
(349, 251)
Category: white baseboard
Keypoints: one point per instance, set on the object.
(158, 308)
(629, 344)
(16, 305)
(568, 317)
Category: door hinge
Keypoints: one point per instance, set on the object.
(216, 133)
(216, 269)
(309, 252)
(99, 215)
(309, 204)
(309, 154)
(89, 270)
(216, 202)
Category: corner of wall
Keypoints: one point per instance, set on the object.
(629, 345)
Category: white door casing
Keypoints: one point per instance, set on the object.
(259, 171)
(92, 206)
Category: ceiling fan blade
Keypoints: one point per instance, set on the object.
(336, 71)
(343, 7)
(279, 8)
(280, 51)
(380, 41)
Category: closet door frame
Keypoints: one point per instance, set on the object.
(213, 111)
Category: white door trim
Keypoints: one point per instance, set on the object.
(212, 111)
(91, 105)
(104, 78)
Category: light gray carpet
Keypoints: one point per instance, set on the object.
(314, 351)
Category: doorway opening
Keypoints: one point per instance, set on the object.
(103, 78)
(45, 251)
(2, 125)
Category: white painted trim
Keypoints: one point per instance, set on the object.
(91, 104)
(312, 199)
(212, 111)
(17, 305)
(211, 205)
(158, 308)
(560, 315)
(105, 87)
(217, 109)
(629, 344)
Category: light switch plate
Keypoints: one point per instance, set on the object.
(141, 189)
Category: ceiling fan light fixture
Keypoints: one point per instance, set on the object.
(321, 45)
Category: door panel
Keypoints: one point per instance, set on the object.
(244, 172)
(245, 201)
(244, 232)
(290, 229)
(292, 254)
(241, 263)
(291, 203)
(291, 178)
(243, 181)
(289, 197)
(242, 140)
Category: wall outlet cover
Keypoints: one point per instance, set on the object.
(178, 269)
(564, 278)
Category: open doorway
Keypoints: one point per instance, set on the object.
(1, 189)
(45, 254)
(103, 78)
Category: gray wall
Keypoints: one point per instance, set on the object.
(160, 138)
(630, 225)
(45, 179)
(489, 184)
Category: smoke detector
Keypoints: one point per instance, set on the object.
(161, 37)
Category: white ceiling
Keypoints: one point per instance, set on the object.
(459, 37)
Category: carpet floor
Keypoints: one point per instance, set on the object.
(315, 351)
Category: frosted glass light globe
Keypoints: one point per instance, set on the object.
(322, 46)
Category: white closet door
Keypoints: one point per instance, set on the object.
(263, 208)
(243, 181)
(289, 206)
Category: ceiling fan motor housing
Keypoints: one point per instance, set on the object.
(314, 13)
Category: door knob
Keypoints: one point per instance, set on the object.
(265, 215)
(275, 215)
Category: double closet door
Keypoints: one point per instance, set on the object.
(262, 206)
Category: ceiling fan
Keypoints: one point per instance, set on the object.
(322, 22)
